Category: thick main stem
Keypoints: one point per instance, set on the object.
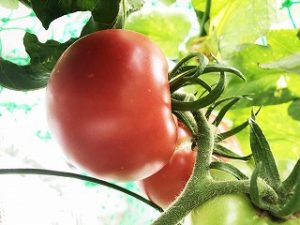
(205, 143)
(200, 180)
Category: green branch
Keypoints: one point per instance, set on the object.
(205, 18)
(79, 177)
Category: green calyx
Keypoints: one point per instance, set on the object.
(287, 201)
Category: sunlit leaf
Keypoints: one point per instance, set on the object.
(216, 7)
(294, 110)
(262, 153)
(167, 2)
(167, 27)
(134, 5)
(290, 63)
(267, 86)
(10, 4)
(281, 129)
(237, 22)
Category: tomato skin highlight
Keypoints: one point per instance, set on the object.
(108, 105)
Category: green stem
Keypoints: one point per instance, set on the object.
(79, 177)
(208, 99)
(124, 8)
(198, 191)
(205, 18)
(200, 180)
(205, 139)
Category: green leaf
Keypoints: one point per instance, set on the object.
(293, 203)
(265, 89)
(167, 2)
(51, 10)
(134, 5)
(280, 127)
(254, 190)
(22, 78)
(294, 109)
(235, 22)
(291, 181)
(266, 86)
(216, 8)
(290, 63)
(10, 4)
(262, 155)
(167, 27)
(104, 13)
(43, 57)
(280, 44)
(104, 16)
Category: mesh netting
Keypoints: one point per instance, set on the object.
(292, 10)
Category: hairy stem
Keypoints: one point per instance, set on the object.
(195, 194)
(205, 141)
(198, 187)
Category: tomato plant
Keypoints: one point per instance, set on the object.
(108, 105)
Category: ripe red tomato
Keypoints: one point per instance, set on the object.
(108, 105)
(184, 135)
(164, 186)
